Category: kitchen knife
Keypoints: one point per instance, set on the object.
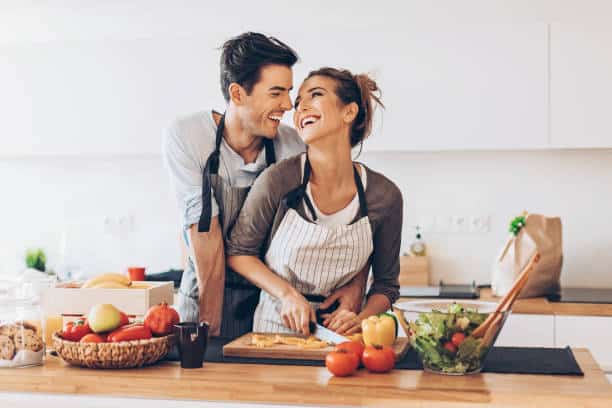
(323, 333)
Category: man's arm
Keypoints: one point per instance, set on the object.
(206, 250)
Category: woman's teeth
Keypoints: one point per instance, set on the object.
(308, 120)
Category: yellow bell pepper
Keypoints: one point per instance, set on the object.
(379, 330)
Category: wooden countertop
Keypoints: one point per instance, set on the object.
(542, 306)
(314, 385)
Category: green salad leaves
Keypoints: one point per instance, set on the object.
(442, 339)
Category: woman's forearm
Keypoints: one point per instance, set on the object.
(377, 303)
(253, 269)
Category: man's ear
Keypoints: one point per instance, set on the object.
(236, 93)
(350, 112)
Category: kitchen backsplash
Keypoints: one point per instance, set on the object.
(100, 214)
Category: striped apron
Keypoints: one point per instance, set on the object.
(240, 297)
(314, 259)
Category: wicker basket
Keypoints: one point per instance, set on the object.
(125, 354)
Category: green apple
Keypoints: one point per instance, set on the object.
(103, 317)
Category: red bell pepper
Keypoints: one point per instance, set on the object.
(127, 333)
(74, 331)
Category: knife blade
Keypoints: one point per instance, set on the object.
(323, 333)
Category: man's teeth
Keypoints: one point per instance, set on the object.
(275, 117)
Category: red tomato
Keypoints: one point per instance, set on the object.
(341, 363)
(160, 319)
(74, 331)
(92, 338)
(352, 346)
(378, 359)
(450, 347)
(458, 338)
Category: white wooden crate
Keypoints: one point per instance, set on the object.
(136, 302)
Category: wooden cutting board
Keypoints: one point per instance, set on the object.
(242, 347)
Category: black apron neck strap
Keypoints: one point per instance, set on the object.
(212, 167)
(213, 160)
(295, 196)
(305, 179)
(363, 204)
(270, 151)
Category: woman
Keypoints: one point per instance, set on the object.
(319, 219)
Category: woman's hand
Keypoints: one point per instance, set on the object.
(349, 297)
(345, 322)
(297, 313)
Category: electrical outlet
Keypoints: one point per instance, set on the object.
(119, 225)
(459, 223)
(479, 223)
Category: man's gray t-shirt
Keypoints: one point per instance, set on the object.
(189, 141)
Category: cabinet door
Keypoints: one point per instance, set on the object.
(593, 333)
(454, 87)
(102, 97)
(581, 85)
(522, 330)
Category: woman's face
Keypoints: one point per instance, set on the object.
(319, 112)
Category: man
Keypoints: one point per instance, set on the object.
(213, 159)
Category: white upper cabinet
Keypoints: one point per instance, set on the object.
(581, 85)
(461, 87)
(101, 97)
(445, 87)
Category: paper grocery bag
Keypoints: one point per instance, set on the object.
(542, 234)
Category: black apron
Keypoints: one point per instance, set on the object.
(240, 297)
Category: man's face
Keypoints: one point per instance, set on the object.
(263, 109)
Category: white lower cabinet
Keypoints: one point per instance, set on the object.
(523, 330)
(594, 333)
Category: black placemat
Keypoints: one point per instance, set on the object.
(501, 360)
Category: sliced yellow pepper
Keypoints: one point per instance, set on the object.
(379, 330)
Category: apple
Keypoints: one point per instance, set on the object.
(103, 317)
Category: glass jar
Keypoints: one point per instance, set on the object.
(21, 335)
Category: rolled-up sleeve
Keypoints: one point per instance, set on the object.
(185, 173)
(385, 257)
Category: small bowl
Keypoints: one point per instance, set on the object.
(432, 327)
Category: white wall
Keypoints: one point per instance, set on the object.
(41, 198)
(62, 200)
(62, 203)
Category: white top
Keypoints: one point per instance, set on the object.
(189, 141)
(342, 217)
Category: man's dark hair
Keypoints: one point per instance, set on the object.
(242, 58)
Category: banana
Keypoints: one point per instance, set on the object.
(109, 285)
(140, 285)
(107, 277)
